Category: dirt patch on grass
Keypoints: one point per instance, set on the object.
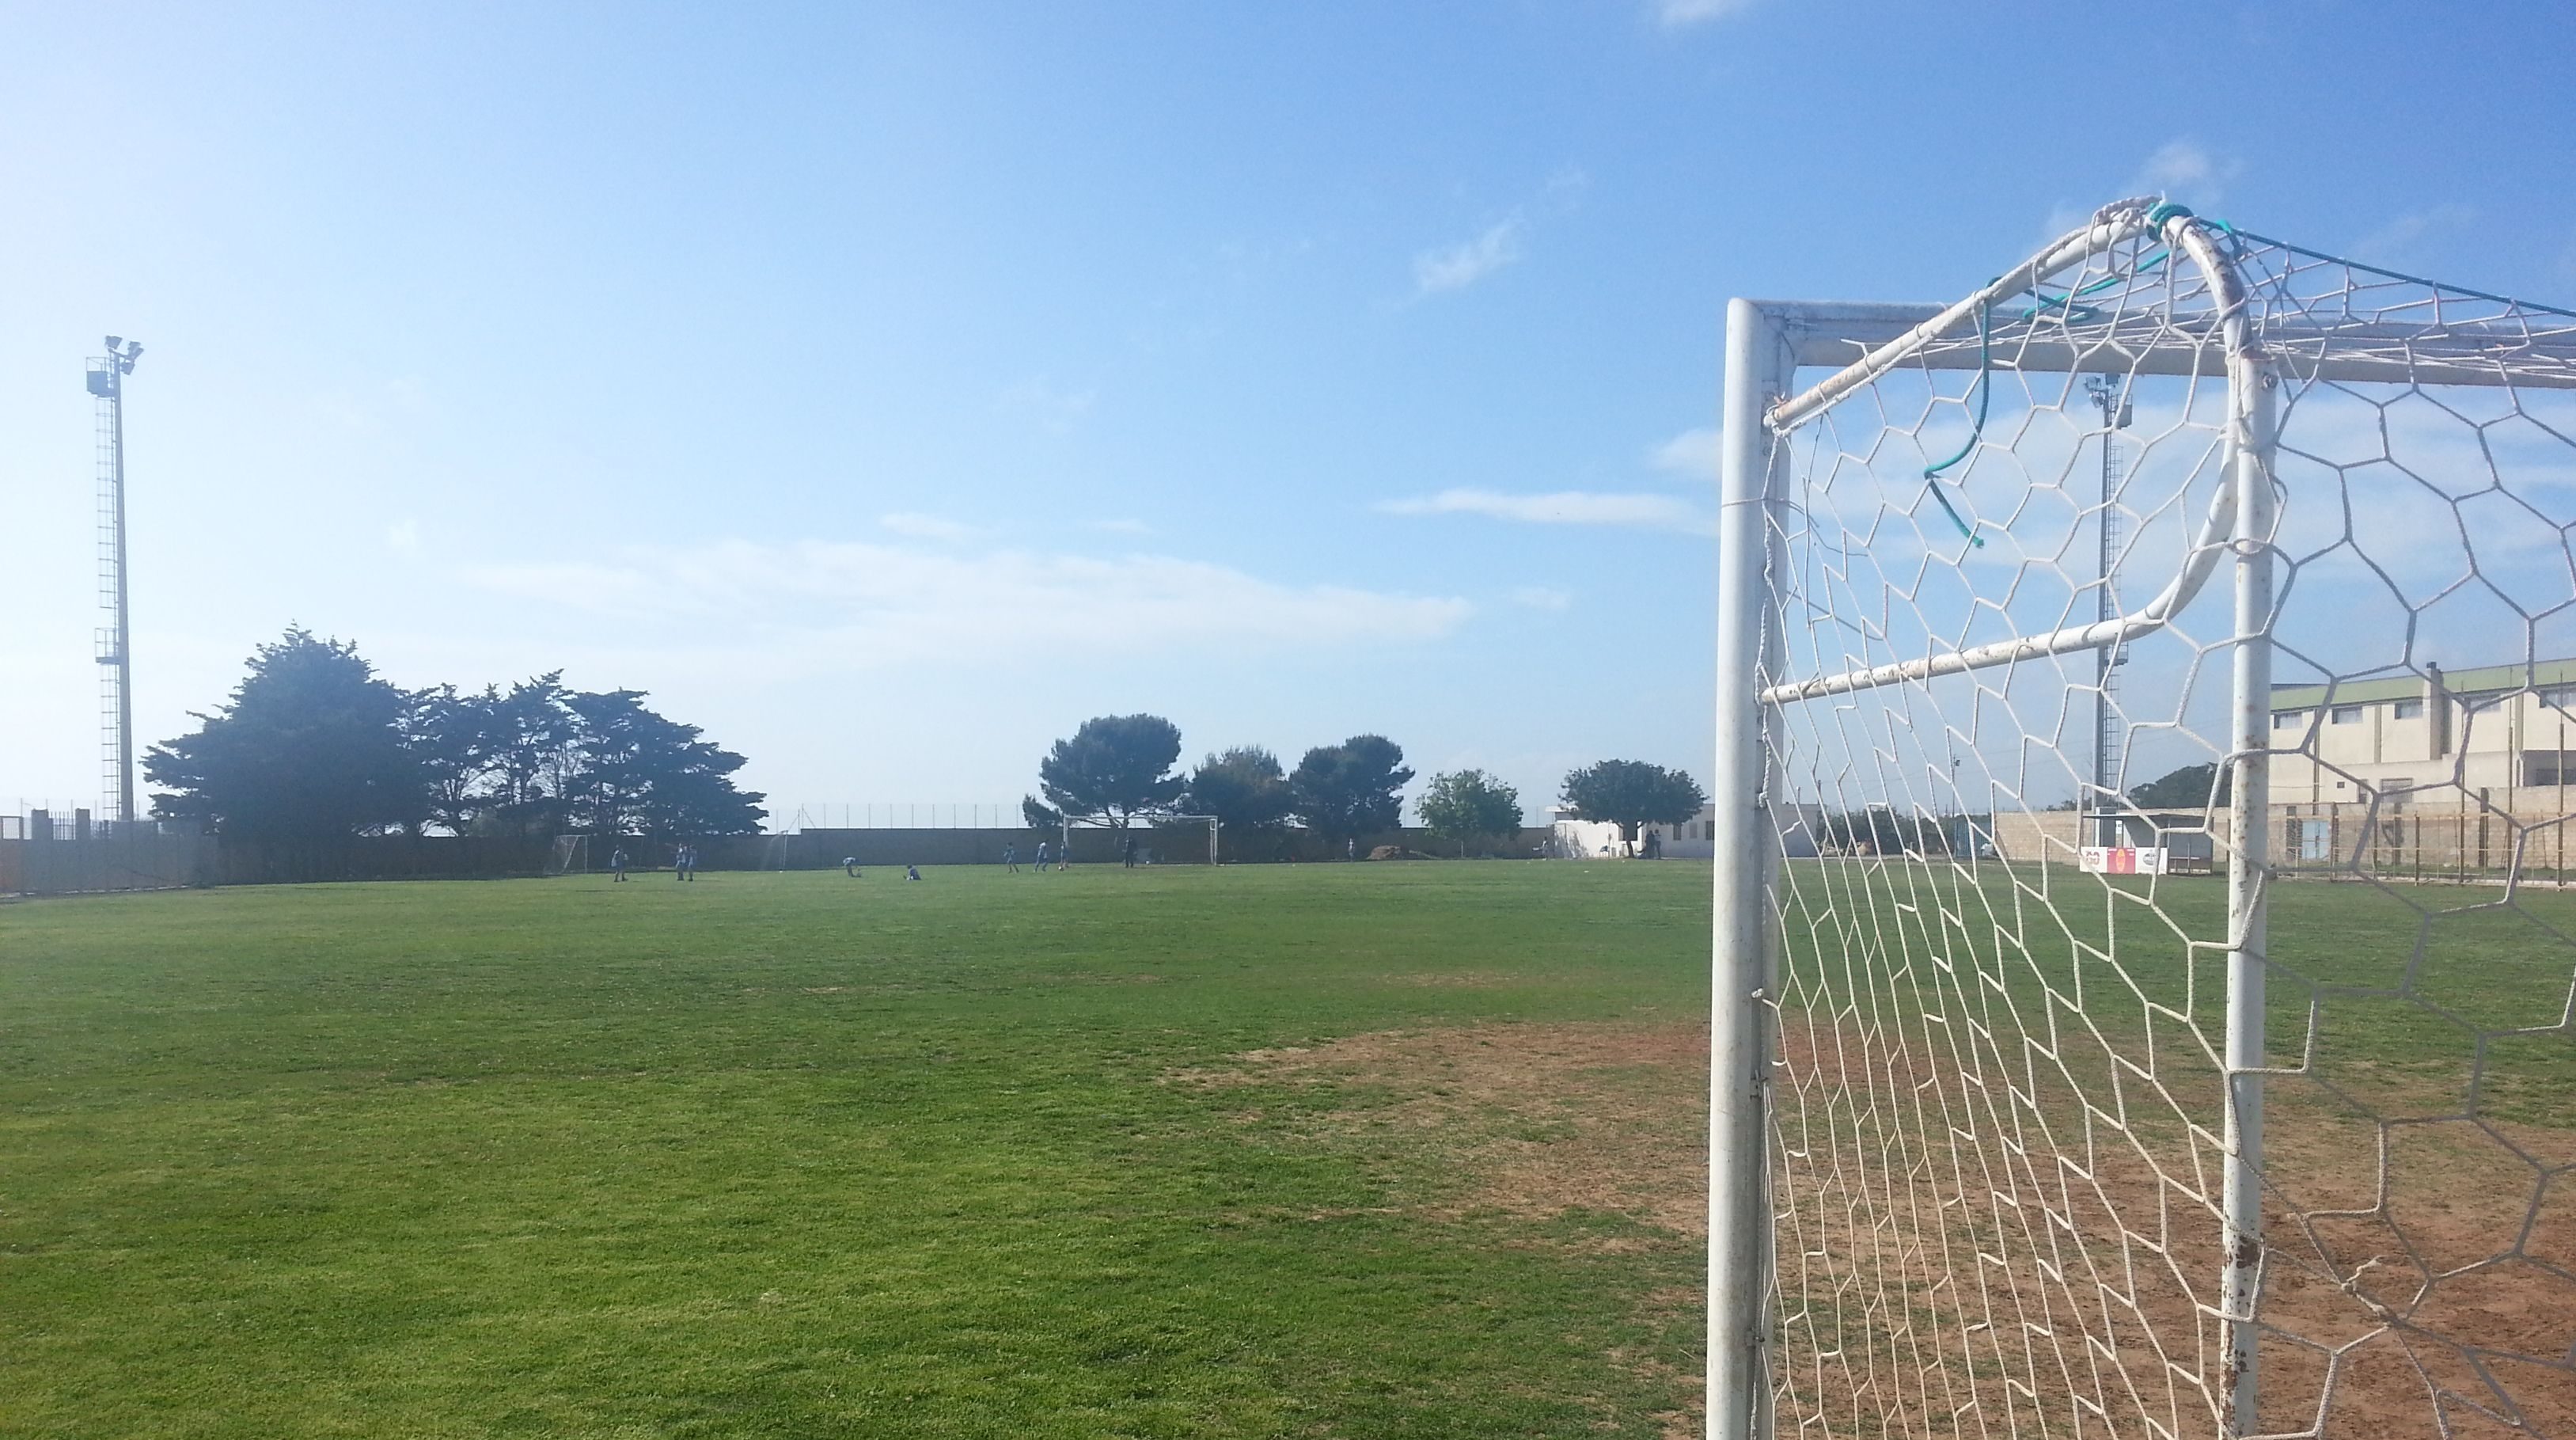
(1964, 1240)
(1532, 1120)
(1982, 1234)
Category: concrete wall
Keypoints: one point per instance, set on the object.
(148, 860)
(142, 860)
(1168, 845)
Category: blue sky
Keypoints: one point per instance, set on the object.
(888, 388)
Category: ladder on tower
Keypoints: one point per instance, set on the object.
(2107, 737)
(111, 665)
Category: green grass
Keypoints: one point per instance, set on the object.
(799, 1155)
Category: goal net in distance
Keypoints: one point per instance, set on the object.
(2175, 549)
(570, 856)
(1160, 839)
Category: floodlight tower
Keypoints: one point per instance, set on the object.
(2110, 395)
(115, 640)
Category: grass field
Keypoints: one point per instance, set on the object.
(1358, 1151)
(1369, 1151)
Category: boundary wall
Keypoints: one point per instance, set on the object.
(154, 860)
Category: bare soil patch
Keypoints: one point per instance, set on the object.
(1530, 1120)
(1965, 1245)
(1459, 980)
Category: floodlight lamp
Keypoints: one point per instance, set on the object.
(115, 343)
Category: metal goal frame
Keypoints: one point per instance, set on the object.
(1767, 345)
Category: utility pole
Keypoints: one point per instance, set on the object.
(116, 640)
(2111, 396)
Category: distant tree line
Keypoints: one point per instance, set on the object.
(1118, 769)
(314, 743)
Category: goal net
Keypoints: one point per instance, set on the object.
(2143, 980)
(1157, 839)
(570, 856)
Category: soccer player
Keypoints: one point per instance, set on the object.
(912, 872)
(1042, 857)
(1127, 852)
(1011, 857)
(850, 866)
(617, 864)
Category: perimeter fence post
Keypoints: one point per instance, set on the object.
(1753, 480)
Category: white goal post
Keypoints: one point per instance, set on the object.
(1987, 1146)
(569, 856)
(1067, 824)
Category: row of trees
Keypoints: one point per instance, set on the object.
(314, 743)
(1117, 769)
(1120, 768)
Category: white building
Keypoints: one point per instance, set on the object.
(2498, 733)
(1692, 839)
(1600, 839)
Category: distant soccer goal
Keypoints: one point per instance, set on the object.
(570, 856)
(1159, 840)
(2144, 736)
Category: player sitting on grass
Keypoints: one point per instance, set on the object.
(912, 872)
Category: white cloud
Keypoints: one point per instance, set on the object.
(827, 605)
(1675, 14)
(2186, 170)
(926, 527)
(1469, 261)
(2394, 242)
(1542, 597)
(1562, 507)
(1692, 452)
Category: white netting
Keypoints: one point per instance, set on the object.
(569, 856)
(1999, 1114)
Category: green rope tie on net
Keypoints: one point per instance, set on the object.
(1985, 393)
(2157, 215)
(2164, 210)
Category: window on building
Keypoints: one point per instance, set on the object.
(2407, 710)
(2288, 719)
(2549, 767)
(2344, 715)
(2561, 697)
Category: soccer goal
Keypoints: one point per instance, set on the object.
(570, 856)
(2173, 549)
(1162, 839)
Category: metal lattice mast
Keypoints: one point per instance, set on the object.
(2110, 395)
(115, 651)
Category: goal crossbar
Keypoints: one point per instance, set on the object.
(1840, 336)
